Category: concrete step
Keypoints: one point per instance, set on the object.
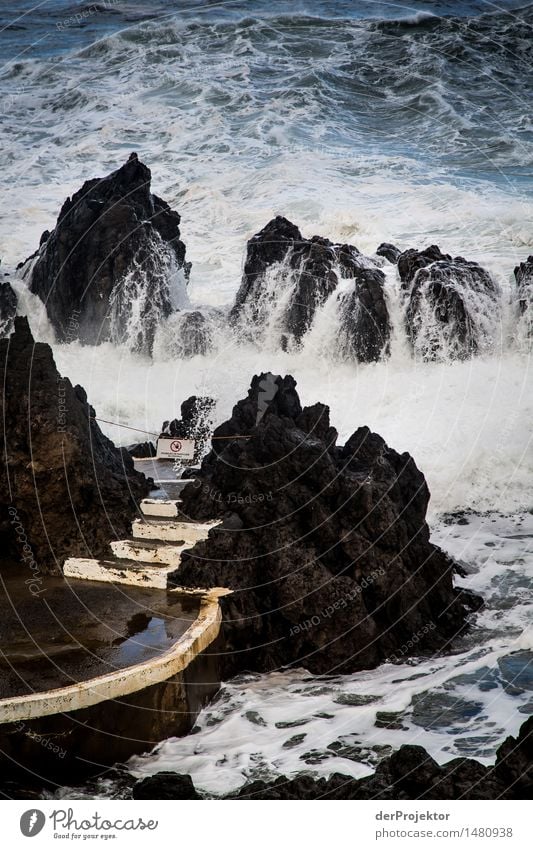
(184, 533)
(129, 572)
(165, 508)
(148, 551)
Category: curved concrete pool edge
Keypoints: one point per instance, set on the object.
(72, 732)
(200, 634)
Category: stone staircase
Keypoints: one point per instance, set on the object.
(153, 552)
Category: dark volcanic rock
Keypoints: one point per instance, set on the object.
(8, 308)
(312, 262)
(165, 785)
(452, 304)
(64, 488)
(326, 547)
(524, 281)
(195, 423)
(410, 261)
(366, 322)
(390, 252)
(268, 247)
(308, 273)
(514, 763)
(114, 244)
(409, 773)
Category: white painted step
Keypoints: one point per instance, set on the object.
(186, 533)
(163, 507)
(110, 571)
(148, 551)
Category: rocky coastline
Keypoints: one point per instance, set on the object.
(409, 773)
(325, 547)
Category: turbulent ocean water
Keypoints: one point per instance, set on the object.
(363, 122)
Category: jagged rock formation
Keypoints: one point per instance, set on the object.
(8, 308)
(524, 281)
(65, 490)
(390, 252)
(280, 261)
(411, 260)
(409, 773)
(452, 304)
(109, 260)
(267, 248)
(326, 547)
(195, 423)
(365, 317)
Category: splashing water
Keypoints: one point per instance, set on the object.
(150, 289)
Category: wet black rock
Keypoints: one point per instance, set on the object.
(65, 490)
(452, 304)
(410, 261)
(165, 785)
(8, 308)
(327, 549)
(524, 281)
(312, 262)
(268, 247)
(366, 325)
(196, 423)
(409, 773)
(390, 252)
(308, 273)
(114, 244)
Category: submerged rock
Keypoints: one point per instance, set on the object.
(187, 334)
(409, 773)
(195, 335)
(283, 268)
(65, 490)
(109, 261)
(452, 304)
(325, 547)
(8, 308)
(524, 281)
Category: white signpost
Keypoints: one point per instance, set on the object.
(169, 448)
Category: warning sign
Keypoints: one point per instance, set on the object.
(175, 449)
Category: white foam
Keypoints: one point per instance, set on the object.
(461, 704)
